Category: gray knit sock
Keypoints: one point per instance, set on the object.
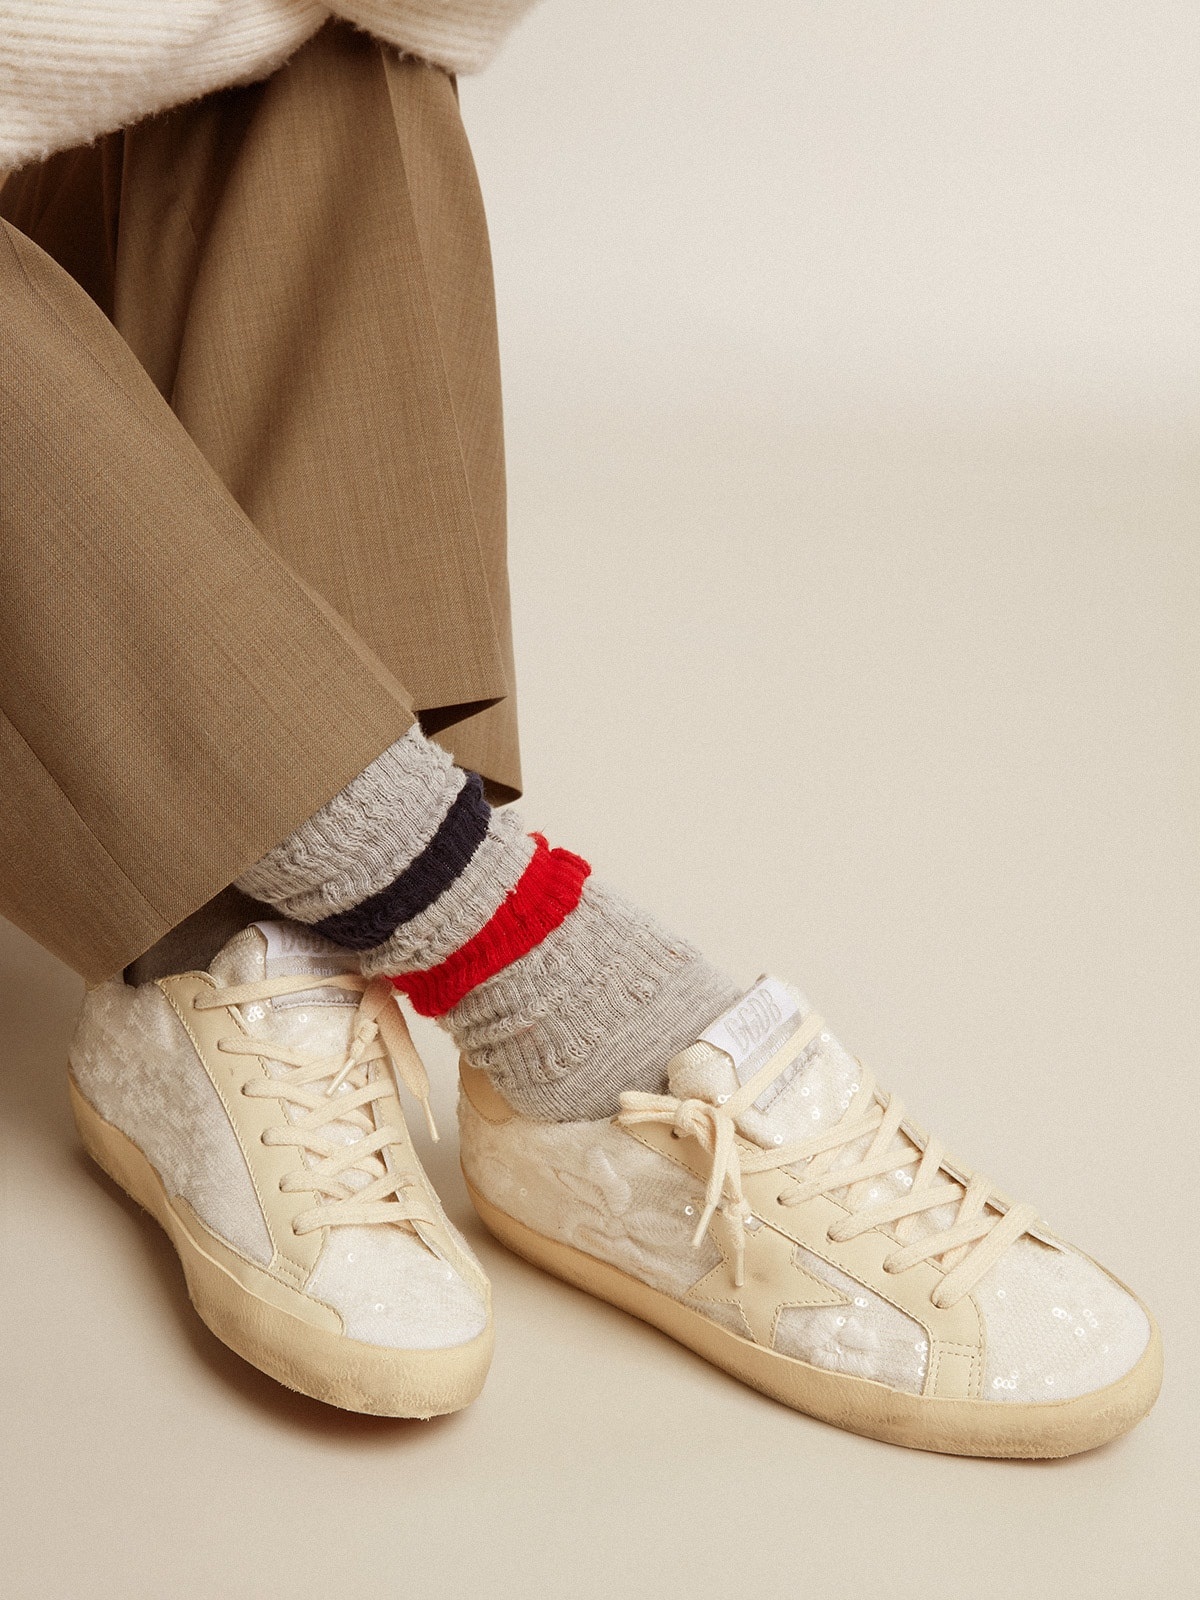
(562, 992)
(601, 1005)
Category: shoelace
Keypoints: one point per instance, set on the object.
(380, 1034)
(968, 1246)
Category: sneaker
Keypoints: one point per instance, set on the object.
(253, 1110)
(779, 1214)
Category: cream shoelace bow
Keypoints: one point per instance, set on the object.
(969, 1245)
(380, 1035)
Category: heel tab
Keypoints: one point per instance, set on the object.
(483, 1094)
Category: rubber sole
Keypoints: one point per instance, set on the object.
(949, 1427)
(313, 1361)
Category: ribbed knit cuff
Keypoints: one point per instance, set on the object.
(545, 895)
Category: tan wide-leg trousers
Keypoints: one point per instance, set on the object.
(251, 486)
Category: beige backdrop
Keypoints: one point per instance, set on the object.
(851, 355)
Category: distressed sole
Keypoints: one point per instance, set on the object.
(313, 1361)
(950, 1427)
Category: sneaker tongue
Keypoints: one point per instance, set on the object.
(812, 1092)
(283, 950)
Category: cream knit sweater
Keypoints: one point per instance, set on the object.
(73, 69)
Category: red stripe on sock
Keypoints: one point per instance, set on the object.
(545, 895)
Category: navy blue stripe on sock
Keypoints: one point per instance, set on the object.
(428, 875)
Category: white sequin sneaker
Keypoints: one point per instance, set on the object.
(253, 1111)
(779, 1214)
